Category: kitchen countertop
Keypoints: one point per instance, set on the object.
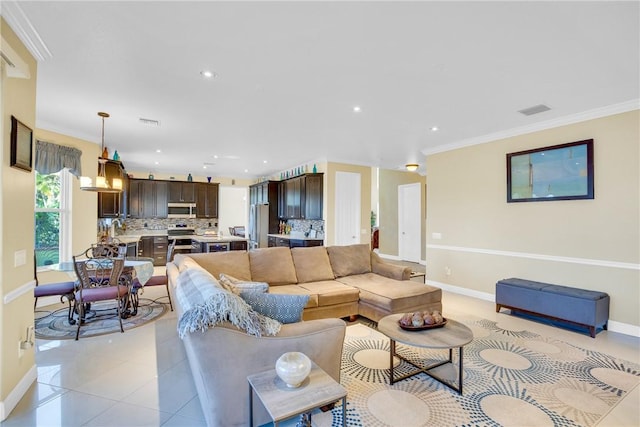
(211, 239)
(295, 237)
(134, 237)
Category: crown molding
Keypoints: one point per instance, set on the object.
(26, 32)
(596, 113)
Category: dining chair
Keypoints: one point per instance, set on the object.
(61, 289)
(114, 249)
(159, 280)
(99, 279)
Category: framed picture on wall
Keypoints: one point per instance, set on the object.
(21, 145)
(559, 172)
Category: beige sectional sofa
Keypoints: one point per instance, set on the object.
(340, 281)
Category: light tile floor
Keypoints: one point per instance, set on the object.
(142, 378)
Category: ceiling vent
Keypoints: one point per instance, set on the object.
(540, 108)
(149, 122)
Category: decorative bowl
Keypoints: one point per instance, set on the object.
(423, 327)
(293, 368)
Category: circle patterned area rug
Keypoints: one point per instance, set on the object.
(511, 378)
(55, 325)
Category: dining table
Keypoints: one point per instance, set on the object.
(138, 269)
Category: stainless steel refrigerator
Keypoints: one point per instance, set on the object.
(258, 226)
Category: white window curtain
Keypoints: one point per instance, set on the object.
(52, 158)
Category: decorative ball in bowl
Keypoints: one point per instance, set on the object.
(292, 368)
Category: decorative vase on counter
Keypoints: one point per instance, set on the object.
(189, 178)
(293, 368)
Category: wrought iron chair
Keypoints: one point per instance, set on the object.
(159, 280)
(111, 250)
(62, 289)
(99, 279)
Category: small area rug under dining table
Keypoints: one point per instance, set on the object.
(511, 378)
(55, 325)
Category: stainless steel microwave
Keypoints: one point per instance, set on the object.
(181, 210)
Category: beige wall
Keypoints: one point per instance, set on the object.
(16, 234)
(592, 244)
(388, 218)
(330, 170)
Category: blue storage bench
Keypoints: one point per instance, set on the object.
(572, 305)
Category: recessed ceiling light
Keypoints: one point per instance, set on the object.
(246, 170)
(208, 74)
(264, 161)
(204, 167)
(157, 163)
(158, 151)
(357, 109)
(215, 156)
(434, 128)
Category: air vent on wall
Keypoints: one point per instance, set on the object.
(149, 122)
(534, 110)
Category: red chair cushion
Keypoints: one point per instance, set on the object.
(52, 289)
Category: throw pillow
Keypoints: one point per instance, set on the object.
(350, 260)
(312, 264)
(238, 286)
(283, 308)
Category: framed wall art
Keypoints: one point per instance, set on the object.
(21, 145)
(559, 172)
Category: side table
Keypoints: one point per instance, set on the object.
(283, 402)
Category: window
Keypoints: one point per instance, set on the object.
(53, 218)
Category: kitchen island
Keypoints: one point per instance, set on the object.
(220, 243)
(186, 243)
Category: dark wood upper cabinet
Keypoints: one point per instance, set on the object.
(301, 197)
(113, 205)
(148, 198)
(182, 192)
(313, 196)
(206, 200)
(263, 193)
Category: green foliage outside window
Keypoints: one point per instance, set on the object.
(47, 223)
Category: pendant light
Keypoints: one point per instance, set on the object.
(103, 185)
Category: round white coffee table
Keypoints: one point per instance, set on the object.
(452, 335)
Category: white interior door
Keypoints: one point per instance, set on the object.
(347, 208)
(409, 229)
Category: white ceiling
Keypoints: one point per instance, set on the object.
(290, 73)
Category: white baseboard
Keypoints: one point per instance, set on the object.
(397, 258)
(13, 398)
(612, 325)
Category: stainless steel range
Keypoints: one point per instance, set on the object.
(182, 236)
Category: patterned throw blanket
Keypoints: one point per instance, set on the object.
(206, 304)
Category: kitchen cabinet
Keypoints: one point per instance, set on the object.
(154, 247)
(148, 198)
(293, 243)
(206, 200)
(304, 243)
(313, 196)
(263, 193)
(181, 192)
(277, 241)
(238, 245)
(301, 197)
(113, 205)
